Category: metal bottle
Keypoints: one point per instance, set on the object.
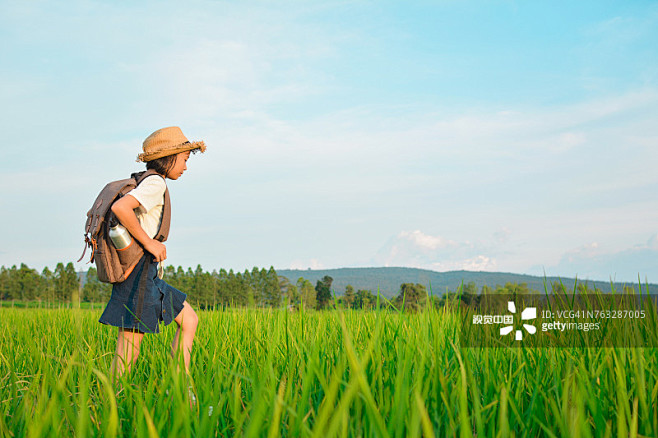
(119, 236)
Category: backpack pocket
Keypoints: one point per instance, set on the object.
(129, 257)
(108, 267)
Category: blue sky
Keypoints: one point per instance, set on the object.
(499, 136)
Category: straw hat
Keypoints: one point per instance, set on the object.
(168, 141)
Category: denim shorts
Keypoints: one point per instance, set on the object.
(143, 300)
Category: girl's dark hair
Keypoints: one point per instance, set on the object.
(162, 165)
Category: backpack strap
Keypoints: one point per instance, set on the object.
(87, 244)
(165, 219)
(141, 286)
(141, 176)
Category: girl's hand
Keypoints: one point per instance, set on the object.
(158, 249)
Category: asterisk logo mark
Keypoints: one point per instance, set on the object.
(528, 313)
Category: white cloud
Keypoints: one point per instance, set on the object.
(584, 251)
(419, 250)
(425, 241)
(477, 263)
(310, 264)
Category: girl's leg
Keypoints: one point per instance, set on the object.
(128, 343)
(187, 321)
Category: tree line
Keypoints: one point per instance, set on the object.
(27, 284)
(259, 287)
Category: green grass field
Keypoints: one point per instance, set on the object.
(336, 373)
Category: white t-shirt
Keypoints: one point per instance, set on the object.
(150, 194)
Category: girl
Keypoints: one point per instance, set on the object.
(139, 303)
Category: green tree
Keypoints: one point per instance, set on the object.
(235, 290)
(221, 281)
(272, 290)
(323, 289)
(4, 283)
(308, 295)
(486, 290)
(413, 296)
(94, 291)
(514, 289)
(288, 291)
(28, 283)
(469, 295)
(349, 297)
(73, 284)
(12, 286)
(202, 287)
(67, 284)
(364, 299)
(258, 285)
(245, 291)
(48, 284)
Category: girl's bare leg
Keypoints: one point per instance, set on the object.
(187, 321)
(128, 343)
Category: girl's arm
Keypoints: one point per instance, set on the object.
(123, 209)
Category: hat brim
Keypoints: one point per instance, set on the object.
(172, 150)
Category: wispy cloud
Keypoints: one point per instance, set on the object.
(306, 264)
(419, 250)
(628, 264)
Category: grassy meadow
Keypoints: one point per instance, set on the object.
(335, 373)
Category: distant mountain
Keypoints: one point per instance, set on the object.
(388, 280)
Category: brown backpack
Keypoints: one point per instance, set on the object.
(113, 265)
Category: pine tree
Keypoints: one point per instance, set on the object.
(4, 283)
(94, 291)
(272, 290)
(11, 286)
(72, 284)
(222, 288)
(28, 282)
(66, 282)
(48, 286)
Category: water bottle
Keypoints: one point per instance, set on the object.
(119, 236)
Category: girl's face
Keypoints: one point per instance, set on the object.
(180, 165)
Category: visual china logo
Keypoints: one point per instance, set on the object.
(527, 314)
